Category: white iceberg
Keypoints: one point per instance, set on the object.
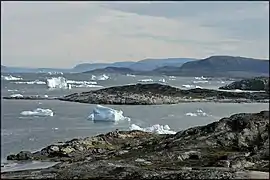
(57, 82)
(87, 86)
(81, 82)
(191, 86)
(53, 73)
(100, 78)
(16, 95)
(157, 128)
(196, 82)
(199, 112)
(11, 78)
(30, 82)
(162, 80)
(146, 80)
(130, 75)
(38, 112)
(102, 113)
(200, 78)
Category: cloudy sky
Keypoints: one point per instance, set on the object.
(62, 34)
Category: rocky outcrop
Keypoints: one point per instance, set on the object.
(254, 84)
(217, 150)
(148, 94)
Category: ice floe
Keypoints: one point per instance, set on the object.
(30, 82)
(191, 86)
(16, 95)
(157, 128)
(11, 78)
(103, 77)
(146, 80)
(199, 112)
(38, 112)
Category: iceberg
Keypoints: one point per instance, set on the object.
(196, 82)
(191, 86)
(100, 78)
(199, 112)
(16, 95)
(200, 78)
(162, 80)
(146, 80)
(30, 82)
(130, 75)
(57, 82)
(81, 82)
(11, 78)
(157, 128)
(38, 112)
(102, 113)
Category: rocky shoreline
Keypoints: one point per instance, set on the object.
(253, 84)
(225, 149)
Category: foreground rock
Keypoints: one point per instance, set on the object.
(254, 84)
(224, 149)
(148, 94)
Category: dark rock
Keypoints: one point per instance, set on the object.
(254, 84)
(147, 94)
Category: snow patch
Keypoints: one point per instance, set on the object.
(38, 112)
(11, 78)
(102, 113)
(157, 128)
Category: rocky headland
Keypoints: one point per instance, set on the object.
(151, 94)
(226, 149)
(253, 84)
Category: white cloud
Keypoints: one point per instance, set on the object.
(63, 34)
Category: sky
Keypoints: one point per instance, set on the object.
(63, 34)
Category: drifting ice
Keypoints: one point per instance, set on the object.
(59, 82)
(146, 80)
(191, 86)
(16, 95)
(38, 112)
(100, 78)
(10, 78)
(199, 112)
(157, 128)
(162, 80)
(102, 113)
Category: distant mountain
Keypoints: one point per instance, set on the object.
(114, 70)
(220, 66)
(151, 64)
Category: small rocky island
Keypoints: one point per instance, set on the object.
(233, 147)
(253, 84)
(150, 94)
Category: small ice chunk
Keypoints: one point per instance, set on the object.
(38, 112)
(162, 80)
(157, 128)
(130, 75)
(146, 80)
(102, 113)
(10, 78)
(16, 95)
(100, 78)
